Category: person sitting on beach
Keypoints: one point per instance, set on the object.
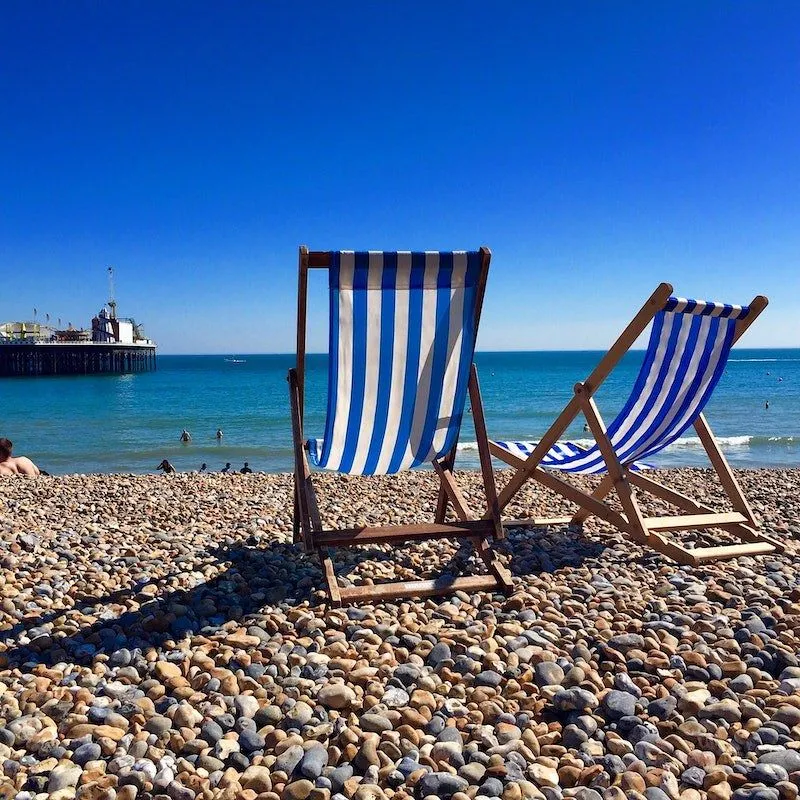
(186, 436)
(226, 468)
(203, 467)
(166, 467)
(245, 470)
(15, 466)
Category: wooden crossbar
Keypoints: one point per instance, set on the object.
(692, 521)
(345, 537)
(536, 522)
(731, 551)
(376, 592)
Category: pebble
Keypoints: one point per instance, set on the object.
(336, 695)
(548, 673)
(618, 704)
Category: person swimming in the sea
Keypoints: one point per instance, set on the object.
(186, 437)
(227, 467)
(203, 467)
(245, 470)
(21, 465)
(166, 467)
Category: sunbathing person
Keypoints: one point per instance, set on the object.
(9, 465)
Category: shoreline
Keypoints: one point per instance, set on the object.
(160, 637)
(466, 462)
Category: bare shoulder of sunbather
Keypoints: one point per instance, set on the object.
(26, 467)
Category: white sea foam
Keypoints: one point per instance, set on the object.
(688, 442)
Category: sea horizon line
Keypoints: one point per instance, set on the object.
(231, 353)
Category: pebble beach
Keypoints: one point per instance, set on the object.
(161, 637)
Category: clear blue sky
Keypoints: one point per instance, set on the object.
(597, 148)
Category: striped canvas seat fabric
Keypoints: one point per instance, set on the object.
(689, 346)
(558, 454)
(402, 337)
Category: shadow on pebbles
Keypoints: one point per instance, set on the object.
(161, 637)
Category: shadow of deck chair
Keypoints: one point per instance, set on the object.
(402, 337)
(687, 352)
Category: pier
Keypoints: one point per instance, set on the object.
(23, 358)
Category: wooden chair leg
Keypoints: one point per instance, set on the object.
(295, 515)
(493, 506)
(302, 473)
(452, 493)
(617, 473)
(442, 499)
(723, 470)
(493, 564)
(330, 578)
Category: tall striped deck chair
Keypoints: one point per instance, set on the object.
(687, 352)
(401, 340)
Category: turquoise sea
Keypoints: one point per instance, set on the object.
(129, 423)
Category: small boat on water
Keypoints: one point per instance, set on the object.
(236, 360)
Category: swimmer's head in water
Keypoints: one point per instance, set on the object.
(5, 449)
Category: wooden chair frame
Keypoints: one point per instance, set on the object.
(645, 530)
(308, 529)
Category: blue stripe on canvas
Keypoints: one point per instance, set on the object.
(438, 361)
(412, 360)
(359, 375)
(388, 294)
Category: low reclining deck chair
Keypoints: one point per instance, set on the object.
(686, 355)
(402, 337)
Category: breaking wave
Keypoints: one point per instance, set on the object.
(689, 442)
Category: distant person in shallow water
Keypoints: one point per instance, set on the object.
(203, 467)
(226, 468)
(166, 467)
(15, 466)
(219, 434)
(186, 437)
(766, 405)
(245, 470)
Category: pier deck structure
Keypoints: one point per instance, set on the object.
(25, 358)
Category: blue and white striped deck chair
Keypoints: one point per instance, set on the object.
(686, 356)
(401, 340)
